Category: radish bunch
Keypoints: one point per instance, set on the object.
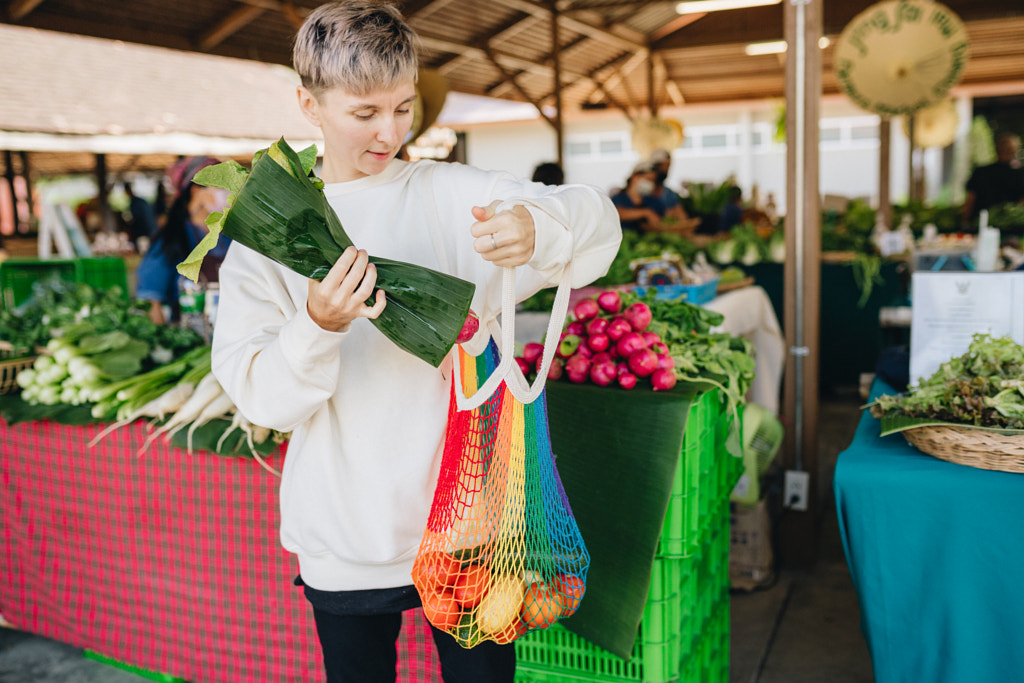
(606, 344)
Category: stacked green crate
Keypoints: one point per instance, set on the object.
(684, 630)
(17, 275)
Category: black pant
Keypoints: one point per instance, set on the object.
(361, 649)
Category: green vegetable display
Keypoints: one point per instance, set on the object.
(984, 387)
(279, 210)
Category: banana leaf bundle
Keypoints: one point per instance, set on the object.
(279, 210)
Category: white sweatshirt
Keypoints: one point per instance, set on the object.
(367, 419)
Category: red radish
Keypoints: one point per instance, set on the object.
(578, 368)
(643, 362)
(602, 357)
(609, 301)
(555, 370)
(568, 345)
(665, 362)
(627, 380)
(639, 316)
(663, 380)
(585, 309)
(651, 338)
(630, 344)
(524, 366)
(532, 351)
(597, 326)
(577, 328)
(618, 328)
(584, 350)
(659, 347)
(622, 367)
(602, 374)
(598, 342)
(469, 328)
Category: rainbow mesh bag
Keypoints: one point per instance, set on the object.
(501, 554)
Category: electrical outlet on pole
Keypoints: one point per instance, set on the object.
(796, 490)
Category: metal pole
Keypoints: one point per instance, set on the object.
(799, 350)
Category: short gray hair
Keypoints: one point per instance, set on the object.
(358, 45)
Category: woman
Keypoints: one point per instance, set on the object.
(184, 228)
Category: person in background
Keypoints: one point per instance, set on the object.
(143, 219)
(672, 207)
(301, 355)
(549, 173)
(185, 226)
(732, 212)
(638, 210)
(998, 183)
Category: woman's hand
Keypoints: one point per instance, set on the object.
(505, 239)
(340, 298)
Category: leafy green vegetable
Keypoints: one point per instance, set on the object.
(281, 212)
(984, 387)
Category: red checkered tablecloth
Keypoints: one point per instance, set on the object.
(169, 562)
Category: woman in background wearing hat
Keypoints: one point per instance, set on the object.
(184, 228)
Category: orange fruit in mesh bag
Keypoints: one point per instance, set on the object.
(436, 570)
(441, 609)
(541, 606)
(570, 589)
(471, 585)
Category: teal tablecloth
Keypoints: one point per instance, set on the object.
(936, 552)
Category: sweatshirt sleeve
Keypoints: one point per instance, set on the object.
(277, 365)
(574, 224)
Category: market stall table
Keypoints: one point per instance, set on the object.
(170, 562)
(935, 551)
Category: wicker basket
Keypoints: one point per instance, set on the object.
(974, 447)
(9, 370)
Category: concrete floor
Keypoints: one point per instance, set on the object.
(804, 628)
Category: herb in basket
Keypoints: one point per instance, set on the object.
(983, 388)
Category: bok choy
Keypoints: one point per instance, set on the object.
(279, 210)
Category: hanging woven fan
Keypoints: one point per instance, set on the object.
(934, 126)
(655, 133)
(900, 56)
(431, 92)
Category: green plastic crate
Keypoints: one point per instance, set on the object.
(140, 672)
(17, 275)
(680, 534)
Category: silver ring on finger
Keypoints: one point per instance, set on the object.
(493, 243)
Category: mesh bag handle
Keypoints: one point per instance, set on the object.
(508, 369)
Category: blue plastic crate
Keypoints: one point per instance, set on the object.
(694, 294)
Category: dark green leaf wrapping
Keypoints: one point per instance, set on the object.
(289, 220)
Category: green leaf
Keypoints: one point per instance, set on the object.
(308, 158)
(229, 175)
(892, 423)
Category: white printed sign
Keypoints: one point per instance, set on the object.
(950, 307)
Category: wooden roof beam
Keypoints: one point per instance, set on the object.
(511, 77)
(635, 42)
(228, 26)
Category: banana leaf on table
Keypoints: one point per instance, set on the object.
(280, 211)
(616, 454)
